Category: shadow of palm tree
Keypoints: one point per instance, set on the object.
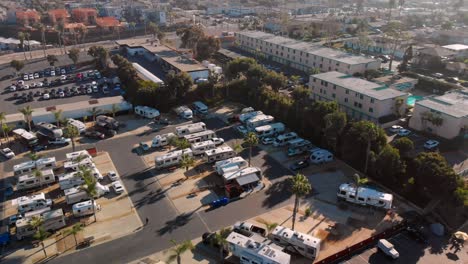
(277, 193)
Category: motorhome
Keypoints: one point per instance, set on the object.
(200, 108)
(245, 176)
(269, 130)
(75, 165)
(70, 180)
(48, 130)
(52, 220)
(78, 155)
(107, 122)
(161, 140)
(46, 163)
(80, 126)
(220, 153)
(259, 120)
(23, 168)
(199, 148)
(321, 156)
(85, 208)
(190, 129)
(75, 195)
(304, 244)
(27, 138)
(365, 196)
(172, 158)
(236, 163)
(33, 202)
(283, 140)
(200, 136)
(147, 112)
(297, 147)
(30, 181)
(184, 112)
(246, 116)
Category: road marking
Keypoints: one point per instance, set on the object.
(203, 221)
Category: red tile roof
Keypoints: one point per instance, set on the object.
(74, 25)
(107, 22)
(58, 13)
(83, 10)
(27, 14)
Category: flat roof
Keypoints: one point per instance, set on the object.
(456, 47)
(453, 103)
(371, 89)
(257, 248)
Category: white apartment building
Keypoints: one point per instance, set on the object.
(451, 108)
(302, 55)
(359, 98)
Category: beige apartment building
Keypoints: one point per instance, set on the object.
(301, 55)
(358, 98)
(445, 116)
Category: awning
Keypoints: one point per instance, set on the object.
(246, 179)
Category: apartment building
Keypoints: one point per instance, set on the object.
(445, 116)
(27, 18)
(302, 55)
(359, 98)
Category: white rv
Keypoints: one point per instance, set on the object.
(306, 245)
(321, 156)
(200, 136)
(184, 112)
(172, 158)
(190, 129)
(249, 175)
(75, 165)
(70, 180)
(246, 116)
(80, 126)
(46, 163)
(84, 208)
(53, 220)
(365, 196)
(25, 167)
(76, 194)
(199, 148)
(299, 146)
(236, 163)
(200, 108)
(259, 120)
(283, 140)
(269, 130)
(220, 153)
(30, 181)
(161, 140)
(33, 202)
(146, 111)
(77, 155)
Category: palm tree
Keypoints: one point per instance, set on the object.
(250, 140)
(94, 112)
(115, 108)
(27, 114)
(76, 228)
(37, 174)
(41, 28)
(42, 235)
(179, 249)
(27, 35)
(300, 187)
(34, 156)
(89, 187)
(2, 119)
(268, 225)
(58, 116)
(6, 131)
(358, 181)
(220, 239)
(60, 27)
(133, 25)
(36, 222)
(71, 132)
(21, 38)
(187, 162)
(17, 65)
(391, 5)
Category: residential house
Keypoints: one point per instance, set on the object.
(86, 16)
(432, 56)
(58, 16)
(107, 23)
(27, 18)
(14, 44)
(460, 50)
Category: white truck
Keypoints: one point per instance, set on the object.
(388, 248)
(161, 140)
(146, 111)
(184, 112)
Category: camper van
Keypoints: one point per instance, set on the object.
(85, 208)
(259, 120)
(80, 126)
(146, 111)
(184, 112)
(248, 115)
(70, 180)
(53, 220)
(25, 167)
(283, 140)
(199, 148)
(74, 165)
(161, 140)
(365, 196)
(304, 244)
(33, 202)
(172, 158)
(46, 163)
(269, 130)
(190, 129)
(223, 166)
(77, 155)
(220, 153)
(321, 156)
(30, 181)
(248, 175)
(200, 108)
(200, 136)
(299, 146)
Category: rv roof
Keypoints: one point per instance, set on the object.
(199, 134)
(239, 173)
(29, 176)
(174, 154)
(218, 150)
(259, 118)
(38, 196)
(76, 154)
(296, 238)
(366, 192)
(71, 190)
(81, 204)
(203, 143)
(45, 161)
(227, 161)
(261, 249)
(24, 165)
(269, 126)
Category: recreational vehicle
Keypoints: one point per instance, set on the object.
(30, 181)
(48, 130)
(200, 108)
(246, 116)
(52, 220)
(283, 140)
(85, 208)
(200, 136)
(321, 156)
(33, 202)
(299, 146)
(70, 180)
(146, 111)
(25, 167)
(46, 163)
(199, 148)
(306, 245)
(172, 158)
(190, 129)
(245, 176)
(184, 112)
(365, 196)
(269, 130)
(80, 126)
(259, 120)
(75, 165)
(77, 194)
(222, 166)
(107, 122)
(161, 140)
(220, 153)
(78, 155)
(27, 138)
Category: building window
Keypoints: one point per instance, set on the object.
(315, 80)
(372, 100)
(334, 95)
(355, 104)
(371, 109)
(334, 87)
(326, 84)
(360, 105)
(347, 91)
(361, 96)
(346, 100)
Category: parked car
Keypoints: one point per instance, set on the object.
(417, 234)
(36, 75)
(218, 141)
(7, 153)
(144, 146)
(118, 187)
(112, 176)
(267, 141)
(12, 219)
(242, 130)
(438, 75)
(94, 134)
(60, 141)
(38, 148)
(431, 144)
(403, 132)
(46, 96)
(388, 248)
(302, 164)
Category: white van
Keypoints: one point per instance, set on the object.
(199, 148)
(80, 126)
(283, 140)
(161, 140)
(269, 130)
(146, 111)
(33, 202)
(321, 156)
(85, 208)
(200, 108)
(388, 248)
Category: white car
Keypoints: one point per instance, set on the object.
(395, 128)
(218, 141)
(118, 187)
(40, 84)
(63, 77)
(431, 144)
(36, 75)
(112, 176)
(31, 76)
(63, 71)
(20, 82)
(12, 88)
(403, 132)
(46, 96)
(242, 130)
(25, 77)
(8, 153)
(26, 87)
(60, 141)
(32, 85)
(267, 141)
(61, 94)
(52, 73)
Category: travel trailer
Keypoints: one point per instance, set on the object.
(230, 164)
(76, 194)
(46, 163)
(190, 129)
(80, 126)
(30, 181)
(259, 120)
(48, 130)
(161, 140)
(248, 175)
(283, 140)
(146, 111)
(246, 116)
(365, 196)
(304, 244)
(199, 148)
(25, 167)
(70, 180)
(78, 155)
(27, 138)
(172, 158)
(107, 122)
(321, 156)
(269, 130)
(53, 220)
(85, 208)
(33, 202)
(184, 112)
(200, 108)
(200, 136)
(75, 165)
(220, 153)
(299, 146)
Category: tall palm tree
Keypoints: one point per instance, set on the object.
(250, 140)
(391, 5)
(115, 108)
(89, 187)
(187, 162)
(179, 249)
(300, 187)
(28, 36)
(94, 112)
(220, 239)
(27, 114)
(41, 28)
(37, 174)
(42, 235)
(76, 228)
(2, 119)
(36, 222)
(358, 181)
(6, 131)
(21, 38)
(59, 29)
(71, 132)
(58, 116)
(133, 25)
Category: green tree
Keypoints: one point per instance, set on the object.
(358, 182)
(187, 162)
(404, 145)
(269, 226)
(89, 187)
(42, 28)
(52, 59)
(206, 46)
(37, 174)
(21, 37)
(407, 57)
(133, 27)
(363, 41)
(220, 239)
(238, 66)
(60, 28)
(36, 222)
(74, 55)
(190, 36)
(395, 36)
(27, 112)
(300, 187)
(6, 129)
(28, 36)
(2, 119)
(58, 116)
(447, 25)
(156, 31)
(389, 166)
(179, 83)
(17, 65)
(100, 55)
(178, 249)
(72, 133)
(74, 230)
(34, 156)
(334, 124)
(42, 235)
(250, 140)
(94, 112)
(114, 109)
(275, 80)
